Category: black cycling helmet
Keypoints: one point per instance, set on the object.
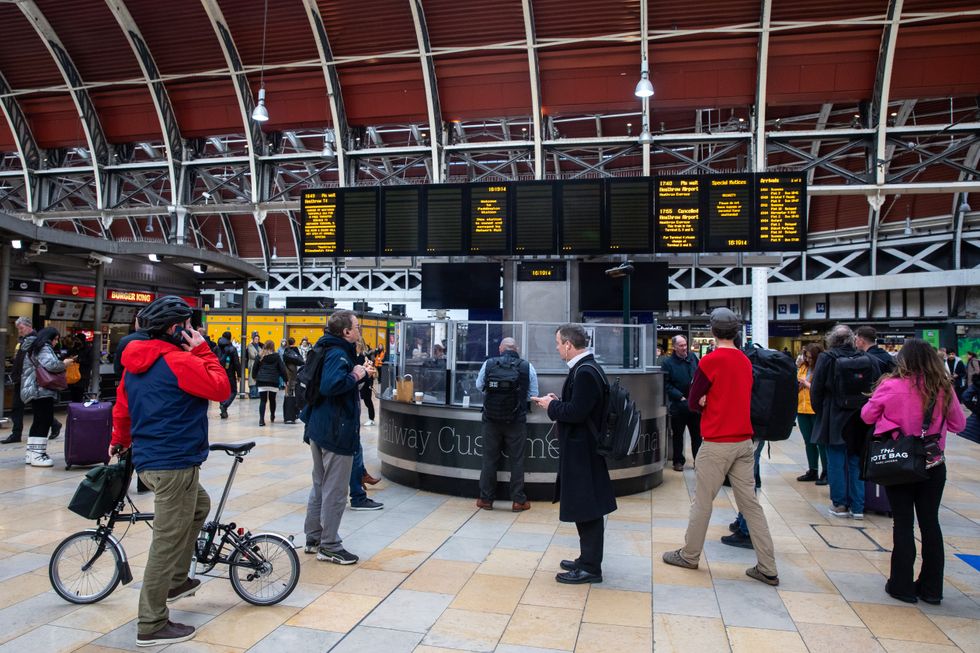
(159, 315)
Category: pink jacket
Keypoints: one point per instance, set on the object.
(896, 404)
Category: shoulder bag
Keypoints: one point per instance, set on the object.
(899, 457)
(47, 379)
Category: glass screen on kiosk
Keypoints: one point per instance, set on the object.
(461, 285)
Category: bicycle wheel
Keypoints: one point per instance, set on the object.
(272, 573)
(69, 577)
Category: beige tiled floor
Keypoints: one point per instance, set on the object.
(437, 575)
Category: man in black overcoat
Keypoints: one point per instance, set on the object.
(583, 484)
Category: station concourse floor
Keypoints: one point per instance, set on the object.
(438, 575)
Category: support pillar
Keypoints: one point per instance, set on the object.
(5, 252)
(760, 306)
(96, 381)
(245, 338)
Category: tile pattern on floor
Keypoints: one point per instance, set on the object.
(438, 575)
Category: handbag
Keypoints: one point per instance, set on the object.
(48, 379)
(899, 458)
(73, 373)
(101, 489)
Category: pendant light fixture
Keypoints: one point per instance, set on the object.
(643, 87)
(219, 244)
(260, 113)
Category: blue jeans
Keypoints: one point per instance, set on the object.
(759, 446)
(231, 398)
(844, 478)
(357, 492)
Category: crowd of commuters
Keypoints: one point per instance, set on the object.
(847, 393)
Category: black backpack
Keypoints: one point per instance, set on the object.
(308, 376)
(505, 397)
(774, 394)
(852, 379)
(616, 438)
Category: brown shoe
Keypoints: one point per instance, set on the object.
(367, 479)
(521, 507)
(169, 634)
(484, 505)
(678, 468)
(187, 588)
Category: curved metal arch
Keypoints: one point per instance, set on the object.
(433, 105)
(27, 150)
(338, 113)
(158, 91)
(253, 133)
(94, 135)
(534, 73)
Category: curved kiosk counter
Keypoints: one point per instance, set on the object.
(436, 445)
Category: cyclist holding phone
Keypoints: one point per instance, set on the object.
(162, 412)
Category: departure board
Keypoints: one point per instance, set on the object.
(629, 215)
(359, 221)
(781, 203)
(488, 219)
(400, 236)
(581, 217)
(729, 223)
(444, 220)
(534, 218)
(678, 224)
(319, 212)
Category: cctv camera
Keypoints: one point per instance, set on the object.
(624, 270)
(99, 259)
(39, 248)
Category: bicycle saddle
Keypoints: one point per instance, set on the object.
(233, 448)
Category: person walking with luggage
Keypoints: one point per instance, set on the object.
(252, 353)
(842, 382)
(583, 486)
(40, 363)
(722, 391)
(333, 433)
(293, 360)
(898, 409)
(227, 355)
(161, 412)
(816, 454)
(25, 329)
(267, 371)
(507, 382)
(679, 368)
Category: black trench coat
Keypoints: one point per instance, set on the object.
(583, 484)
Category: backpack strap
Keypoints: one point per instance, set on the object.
(604, 384)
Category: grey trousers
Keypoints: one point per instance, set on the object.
(328, 497)
(513, 435)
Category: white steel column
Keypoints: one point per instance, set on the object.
(760, 306)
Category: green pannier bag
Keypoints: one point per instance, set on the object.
(100, 490)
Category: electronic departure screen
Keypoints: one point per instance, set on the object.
(629, 215)
(781, 203)
(359, 221)
(400, 236)
(319, 210)
(534, 218)
(444, 220)
(488, 219)
(678, 214)
(581, 217)
(728, 227)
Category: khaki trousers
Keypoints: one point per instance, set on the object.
(180, 506)
(714, 461)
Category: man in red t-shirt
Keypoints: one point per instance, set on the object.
(722, 392)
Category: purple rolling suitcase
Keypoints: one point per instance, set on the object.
(87, 433)
(875, 499)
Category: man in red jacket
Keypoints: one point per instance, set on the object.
(722, 392)
(162, 412)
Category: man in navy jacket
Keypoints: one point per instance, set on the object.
(333, 429)
(162, 412)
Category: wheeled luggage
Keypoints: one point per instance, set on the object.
(875, 499)
(87, 433)
(290, 408)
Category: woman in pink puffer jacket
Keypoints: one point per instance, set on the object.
(898, 403)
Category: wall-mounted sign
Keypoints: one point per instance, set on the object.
(69, 290)
(129, 296)
(24, 285)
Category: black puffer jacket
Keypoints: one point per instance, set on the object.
(268, 370)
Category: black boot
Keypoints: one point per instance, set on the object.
(11, 439)
(811, 475)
